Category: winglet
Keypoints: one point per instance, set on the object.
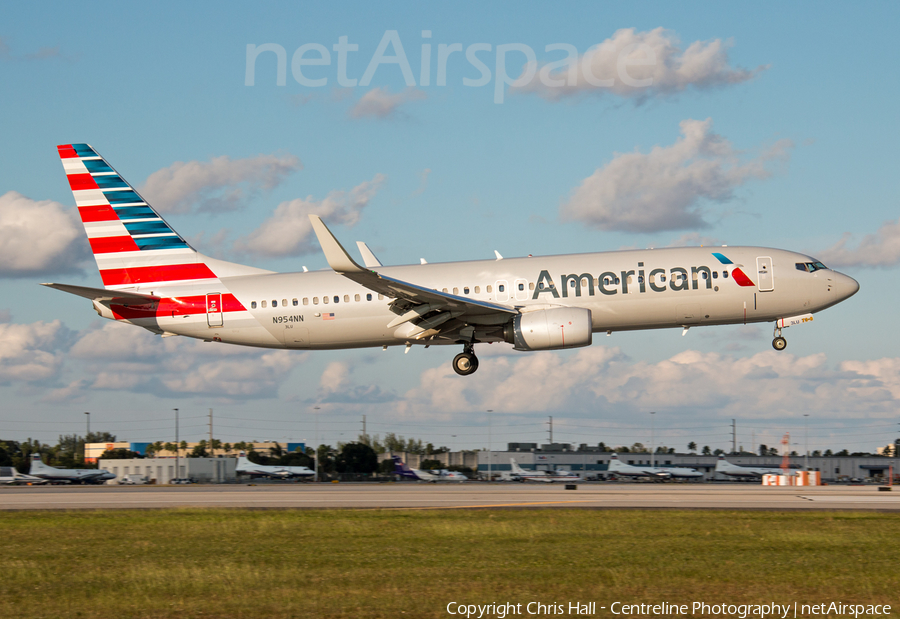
(369, 258)
(337, 257)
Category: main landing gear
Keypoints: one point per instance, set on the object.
(779, 343)
(466, 362)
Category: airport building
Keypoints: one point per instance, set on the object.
(589, 461)
(468, 459)
(93, 451)
(162, 470)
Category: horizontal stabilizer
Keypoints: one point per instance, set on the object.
(101, 294)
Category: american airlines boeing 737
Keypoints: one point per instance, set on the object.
(153, 279)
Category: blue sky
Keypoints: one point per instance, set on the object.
(799, 101)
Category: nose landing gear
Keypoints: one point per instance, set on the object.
(779, 343)
(466, 362)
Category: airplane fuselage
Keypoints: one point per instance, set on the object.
(624, 290)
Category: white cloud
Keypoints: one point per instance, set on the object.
(636, 65)
(662, 189)
(601, 382)
(220, 184)
(121, 357)
(38, 236)
(30, 352)
(881, 249)
(380, 103)
(693, 239)
(334, 378)
(288, 231)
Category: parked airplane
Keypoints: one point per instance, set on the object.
(404, 471)
(245, 467)
(517, 473)
(734, 470)
(620, 469)
(9, 476)
(68, 476)
(152, 278)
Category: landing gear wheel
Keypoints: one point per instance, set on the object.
(779, 343)
(465, 363)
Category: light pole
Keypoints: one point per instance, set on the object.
(490, 449)
(316, 461)
(84, 448)
(177, 446)
(652, 438)
(806, 439)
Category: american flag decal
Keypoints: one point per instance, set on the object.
(328, 316)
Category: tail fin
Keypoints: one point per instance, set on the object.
(132, 244)
(37, 464)
(400, 467)
(515, 466)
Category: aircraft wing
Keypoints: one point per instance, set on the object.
(420, 300)
(101, 294)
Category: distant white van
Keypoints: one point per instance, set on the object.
(134, 480)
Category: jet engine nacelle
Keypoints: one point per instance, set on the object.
(551, 329)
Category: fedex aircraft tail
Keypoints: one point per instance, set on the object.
(401, 469)
(134, 247)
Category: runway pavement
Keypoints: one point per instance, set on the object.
(450, 496)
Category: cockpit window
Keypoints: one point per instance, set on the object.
(810, 267)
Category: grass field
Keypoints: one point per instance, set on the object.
(371, 563)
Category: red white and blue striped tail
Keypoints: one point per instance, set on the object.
(134, 247)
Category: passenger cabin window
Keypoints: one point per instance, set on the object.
(305, 300)
(477, 289)
(443, 290)
(531, 285)
(315, 300)
(488, 288)
(455, 290)
(725, 274)
(346, 298)
(381, 297)
(356, 297)
(466, 290)
(337, 299)
(325, 300)
(522, 286)
(715, 275)
(294, 302)
(284, 303)
(252, 304)
(501, 288)
(369, 296)
(264, 304)
(274, 303)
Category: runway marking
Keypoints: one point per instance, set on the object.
(492, 505)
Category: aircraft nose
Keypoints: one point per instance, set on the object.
(845, 286)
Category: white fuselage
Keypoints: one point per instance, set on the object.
(624, 290)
